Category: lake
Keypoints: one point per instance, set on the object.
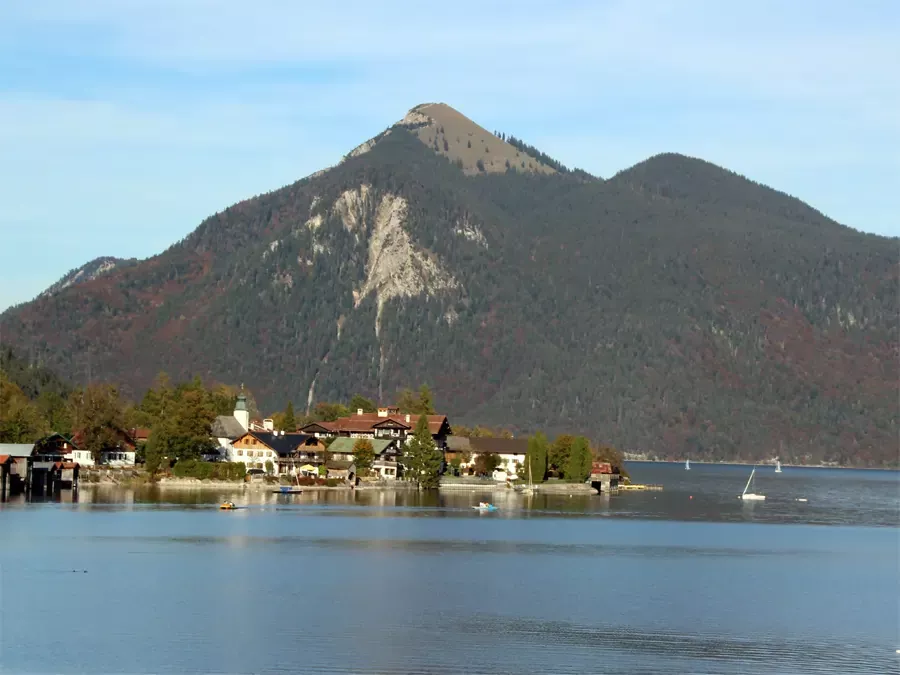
(688, 580)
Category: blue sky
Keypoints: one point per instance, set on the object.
(124, 123)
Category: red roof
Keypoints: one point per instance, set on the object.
(368, 421)
(140, 434)
(3, 459)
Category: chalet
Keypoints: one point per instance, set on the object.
(289, 453)
(387, 423)
(55, 447)
(509, 451)
(387, 453)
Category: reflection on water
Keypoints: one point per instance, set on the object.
(688, 580)
(706, 493)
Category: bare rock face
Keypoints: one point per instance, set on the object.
(88, 272)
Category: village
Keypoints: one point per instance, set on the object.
(371, 448)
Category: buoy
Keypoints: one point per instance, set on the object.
(692, 496)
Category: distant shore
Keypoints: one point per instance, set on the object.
(772, 464)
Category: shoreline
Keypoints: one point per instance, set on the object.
(783, 464)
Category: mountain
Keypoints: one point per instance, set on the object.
(676, 308)
(87, 272)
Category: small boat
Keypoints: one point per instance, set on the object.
(484, 506)
(802, 499)
(777, 466)
(687, 465)
(287, 490)
(751, 496)
(227, 506)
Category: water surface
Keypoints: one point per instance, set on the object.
(685, 580)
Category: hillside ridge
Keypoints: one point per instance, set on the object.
(676, 308)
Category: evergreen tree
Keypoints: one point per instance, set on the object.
(423, 459)
(289, 423)
(363, 456)
(578, 465)
(536, 458)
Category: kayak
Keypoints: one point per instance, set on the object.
(227, 506)
(489, 507)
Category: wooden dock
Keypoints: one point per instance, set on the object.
(640, 486)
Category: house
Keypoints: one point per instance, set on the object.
(55, 447)
(120, 453)
(509, 451)
(140, 435)
(387, 423)
(342, 470)
(287, 452)
(387, 453)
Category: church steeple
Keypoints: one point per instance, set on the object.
(241, 412)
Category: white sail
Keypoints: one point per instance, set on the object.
(777, 466)
(751, 496)
(687, 465)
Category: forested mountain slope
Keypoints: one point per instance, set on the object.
(677, 308)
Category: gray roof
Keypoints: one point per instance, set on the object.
(16, 449)
(458, 444)
(227, 426)
(344, 445)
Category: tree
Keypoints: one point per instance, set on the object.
(486, 463)
(559, 453)
(359, 402)
(290, 422)
(423, 459)
(363, 456)
(578, 466)
(480, 165)
(416, 404)
(286, 420)
(329, 412)
(183, 431)
(426, 401)
(270, 467)
(98, 418)
(20, 420)
(536, 457)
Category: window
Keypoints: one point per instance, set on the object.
(240, 453)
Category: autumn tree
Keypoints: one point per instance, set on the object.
(329, 412)
(486, 463)
(363, 456)
(359, 402)
(423, 459)
(98, 418)
(558, 456)
(20, 419)
(421, 403)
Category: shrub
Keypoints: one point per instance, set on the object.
(193, 468)
(332, 482)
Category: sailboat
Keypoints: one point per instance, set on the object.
(687, 465)
(751, 496)
(777, 466)
(530, 488)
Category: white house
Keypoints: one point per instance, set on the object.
(510, 453)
